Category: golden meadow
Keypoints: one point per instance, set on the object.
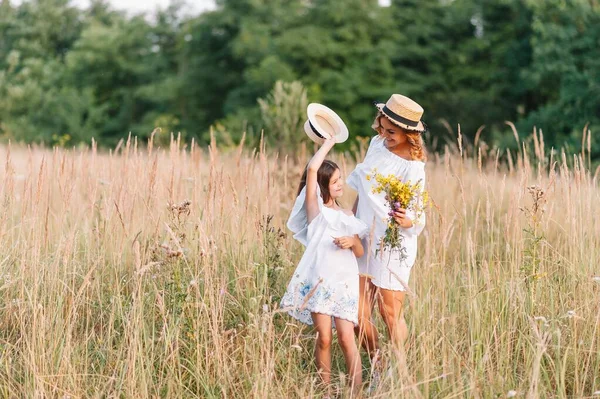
(156, 272)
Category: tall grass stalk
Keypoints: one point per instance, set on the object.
(156, 272)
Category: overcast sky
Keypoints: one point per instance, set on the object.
(138, 6)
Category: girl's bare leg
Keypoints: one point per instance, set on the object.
(322, 324)
(348, 344)
(366, 331)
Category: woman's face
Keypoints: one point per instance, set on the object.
(393, 135)
(336, 185)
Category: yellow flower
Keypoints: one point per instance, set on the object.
(406, 195)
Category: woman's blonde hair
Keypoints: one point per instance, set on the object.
(415, 139)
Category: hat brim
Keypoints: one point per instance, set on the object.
(420, 128)
(312, 135)
(314, 109)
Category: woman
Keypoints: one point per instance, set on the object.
(397, 149)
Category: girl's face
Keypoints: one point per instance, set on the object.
(336, 185)
(393, 135)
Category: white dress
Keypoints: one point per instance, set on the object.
(326, 274)
(387, 270)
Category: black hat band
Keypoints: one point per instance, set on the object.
(315, 130)
(396, 117)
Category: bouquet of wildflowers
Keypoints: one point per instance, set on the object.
(400, 195)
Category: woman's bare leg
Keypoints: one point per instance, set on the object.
(348, 344)
(366, 331)
(391, 305)
(323, 347)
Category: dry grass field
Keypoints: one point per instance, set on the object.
(148, 272)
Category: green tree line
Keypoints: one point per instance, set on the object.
(70, 74)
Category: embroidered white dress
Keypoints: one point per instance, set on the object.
(326, 279)
(387, 270)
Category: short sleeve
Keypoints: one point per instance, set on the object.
(354, 178)
(372, 143)
(298, 220)
(358, 227)
(417, 174)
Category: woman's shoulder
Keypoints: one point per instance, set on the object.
(381, 154)
(417, 164)
(376, 141)
(414, 169)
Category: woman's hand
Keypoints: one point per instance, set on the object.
(400, 217)
(345, 242)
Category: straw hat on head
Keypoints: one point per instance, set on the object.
(403, 112)
(323, 123)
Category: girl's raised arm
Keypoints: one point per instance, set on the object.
(312, 202)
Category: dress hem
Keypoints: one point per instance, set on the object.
(376, 283)
(292, 313)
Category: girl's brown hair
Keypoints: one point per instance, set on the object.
(415, 139)
(324, 174)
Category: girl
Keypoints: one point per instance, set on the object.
(324, 286)
(397, 149)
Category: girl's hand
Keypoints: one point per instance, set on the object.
(330, 142)
(401, 219)
(344, 242)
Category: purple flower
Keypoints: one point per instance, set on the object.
(397, 205)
